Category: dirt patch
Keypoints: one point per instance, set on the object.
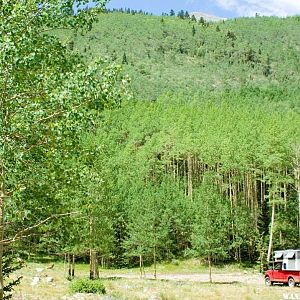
(220, 278)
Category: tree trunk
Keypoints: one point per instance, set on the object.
(209, 267)
(141, 266)
(261, 253)
(102, 262)
(65, 265)
(297, 177)
(154, 260)
(189, 176)
(271, 233)
(1, 239)
(298, 190)
(71, 265)
(94, 270)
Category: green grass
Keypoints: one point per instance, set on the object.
(135, 288)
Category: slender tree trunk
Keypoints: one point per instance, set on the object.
(297, 178)
(2, 195)
(5, 123)
(65, 264)
(185, 177)
(69, 266)
(209, 268)
(73, 266)
(91, 265)
(299, 209)
(141, 266)
(154, 260)
(256, 201)
(94, 270)
(271, 233)
(285, 190)
(189, 176)
(261, 253)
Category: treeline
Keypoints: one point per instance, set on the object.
(181, 14)
(128, 11)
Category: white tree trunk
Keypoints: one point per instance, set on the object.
(271, 233)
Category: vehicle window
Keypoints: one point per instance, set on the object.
(277, 266)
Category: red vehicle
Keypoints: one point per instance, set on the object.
(279, 275)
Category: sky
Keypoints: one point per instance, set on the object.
(221, 8)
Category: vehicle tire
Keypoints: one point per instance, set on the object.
(291, 282)
(268, 281)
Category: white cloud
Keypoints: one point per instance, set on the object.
(280, 8)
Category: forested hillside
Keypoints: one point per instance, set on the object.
(211, 167)
(138, 138)
(171, 54)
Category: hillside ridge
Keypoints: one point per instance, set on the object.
(206, 17)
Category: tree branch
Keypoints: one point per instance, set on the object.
(25, 232)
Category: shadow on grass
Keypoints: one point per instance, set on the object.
(112, 278)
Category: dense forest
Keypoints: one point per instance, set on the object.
(131, 139)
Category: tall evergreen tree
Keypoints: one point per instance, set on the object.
(180, 14)
(193, 30)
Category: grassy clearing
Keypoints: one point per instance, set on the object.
(248, 286)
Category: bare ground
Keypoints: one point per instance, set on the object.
(220, 278)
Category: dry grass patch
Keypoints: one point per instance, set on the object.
(251, 285)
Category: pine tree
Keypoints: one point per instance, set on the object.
(181, 14)
(267, 69)
(124, 59)
(202, 21)
(10, 265)
(193, 30)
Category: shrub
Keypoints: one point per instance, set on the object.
(87, 286)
